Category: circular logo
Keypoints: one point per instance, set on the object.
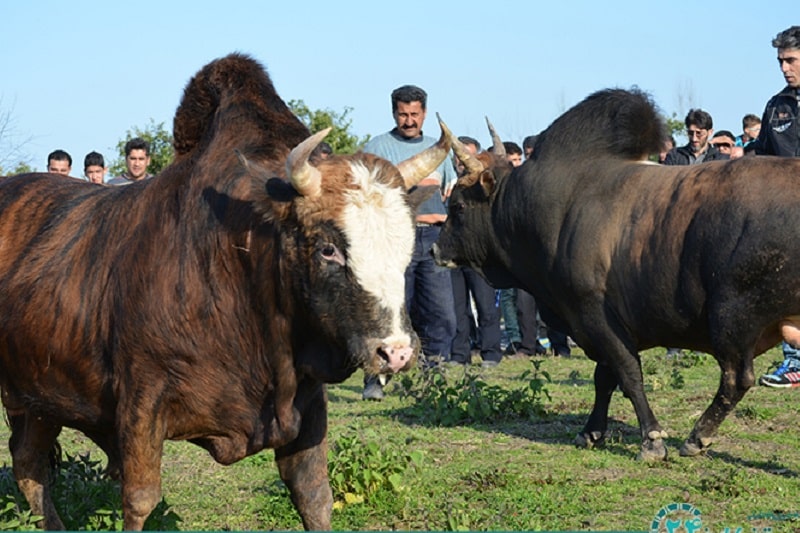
(677, 518)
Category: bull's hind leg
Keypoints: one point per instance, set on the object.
(32, 442)
(303, 463)
(736, 379)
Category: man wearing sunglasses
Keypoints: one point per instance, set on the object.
(699, 129)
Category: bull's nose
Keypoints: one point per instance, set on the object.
(397, 356)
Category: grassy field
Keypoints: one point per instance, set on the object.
(506, 470)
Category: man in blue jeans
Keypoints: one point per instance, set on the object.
(429, 290)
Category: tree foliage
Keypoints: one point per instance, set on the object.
(13, 159)
(340, 139)
(675, 125)
(161, 151)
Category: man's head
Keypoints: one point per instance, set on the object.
(788, 44)
(94, 167)
(699, 127)
(724, 141)
(472, 145)
(669, 144)
(137, 158)
(528, 144)
(409, 105)
(59, 162)
(513, 153)
(751, 127)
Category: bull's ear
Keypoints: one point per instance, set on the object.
(488, 182)
(417, 195)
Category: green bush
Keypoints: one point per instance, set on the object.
(358, 467)
(85, 497)
(439, 398)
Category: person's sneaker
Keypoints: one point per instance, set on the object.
(373, 389)
(489, 364)
(787, 375)
(512, 348)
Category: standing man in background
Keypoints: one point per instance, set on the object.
(780, 135)
(137, 159)
(429, 291)
(59, 162)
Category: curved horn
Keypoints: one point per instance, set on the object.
(498, 149)
(424, 163)
(306, 179)
(471, 163)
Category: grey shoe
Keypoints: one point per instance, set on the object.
(373, 389)
(489, 364)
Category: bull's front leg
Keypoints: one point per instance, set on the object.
(594, 432)
(141, 437)
(303, 463)
(619, 358)
(32, 440)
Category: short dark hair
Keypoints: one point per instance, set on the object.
(512, 148)
(699, 118)
(725, 133)
(469, 140)
(137, 143)
(408, 94)
(750, 120)
(59, 155)
(529, 141)
(93, 159)
(788, 38)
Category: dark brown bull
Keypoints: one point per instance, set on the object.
(625, 255)
(208, 304)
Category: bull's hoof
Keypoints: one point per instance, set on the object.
(653, 447)
(594, 439)
(653, 451)
(694, 447)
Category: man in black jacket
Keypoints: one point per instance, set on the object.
(699, 129)
(780, 135)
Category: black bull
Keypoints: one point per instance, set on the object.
(626, 255)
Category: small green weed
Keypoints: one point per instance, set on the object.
(358, 467)
(447, 402)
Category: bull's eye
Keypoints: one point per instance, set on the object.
(330, 252)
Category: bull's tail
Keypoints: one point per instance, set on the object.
(611, 122)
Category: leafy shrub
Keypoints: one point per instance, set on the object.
(470, 399)
(359, 467)
(85, 497)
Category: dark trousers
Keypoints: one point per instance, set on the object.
(429, 296)
(465, 282)
(529, 327)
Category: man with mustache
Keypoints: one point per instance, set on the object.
(429, 290)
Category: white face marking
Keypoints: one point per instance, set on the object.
(380, 233)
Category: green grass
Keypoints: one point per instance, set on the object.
(510, 470)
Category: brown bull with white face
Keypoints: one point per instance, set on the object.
(210, 303)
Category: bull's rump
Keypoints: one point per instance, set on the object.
(673, 248)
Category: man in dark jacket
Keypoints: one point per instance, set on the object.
(699, 129)
(780, 135)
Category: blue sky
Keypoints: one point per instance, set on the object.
(78, 75)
